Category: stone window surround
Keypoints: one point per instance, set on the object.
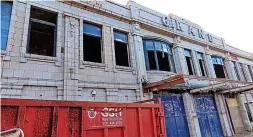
(104, 65)
(26, 56)
(83, 63)
(130, 49)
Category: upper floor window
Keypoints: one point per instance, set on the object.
(158, 55)
(219, 67)
(92, 39)
(250, 71)
(42, 32)
(235, 70)
(189, 62)
(242, 70)
(6, 8)
(202, 64)
(121, 48)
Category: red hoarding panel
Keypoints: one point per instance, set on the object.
(39, 118)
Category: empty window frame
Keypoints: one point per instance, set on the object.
(250, 71)
(42, 33)
(121, 48)
(248, 111)
(158, 55)
(189, 62)
(219, 67)
(92, 39)
(242, 70)
(235, 70)
(202, 65)
(6, 8)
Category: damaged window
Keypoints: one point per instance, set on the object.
(202, 65)
(42, 32)
(158, 56)
(235, 70)
(6, 8)
(92, 38)
(219, 67)
(251, 72)
(121, 48)
(189, 62)
(242, 70)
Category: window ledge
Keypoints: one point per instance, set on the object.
(93, 64)
(161, 72)
(123, 68)
(40, 58)
(3, 52)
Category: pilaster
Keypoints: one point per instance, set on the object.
(243, 111)
(71, 58)
(180, 61)
(229, 67)
(223, 115)
(209, 63)
(191, 115)
(196, 64)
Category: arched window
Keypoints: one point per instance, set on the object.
(158, 55)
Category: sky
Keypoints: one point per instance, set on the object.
(229, 19)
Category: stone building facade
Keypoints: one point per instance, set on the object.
(104, 51)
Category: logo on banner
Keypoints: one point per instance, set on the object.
(92, 113)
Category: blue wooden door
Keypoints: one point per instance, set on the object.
(208, 116)
(175, 118)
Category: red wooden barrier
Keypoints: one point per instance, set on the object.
(43, 118)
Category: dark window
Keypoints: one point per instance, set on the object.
(121, 48)
(6, 8)
(92, 49)
(189, 62)
(219, 67)
(248, 111)
(242, 70)
(251, 72)
(158, 56)
(202, 65)
(42, 33)
(236, 71)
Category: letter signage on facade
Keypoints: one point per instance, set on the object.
(193, 31)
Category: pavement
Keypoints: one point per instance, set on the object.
(245, 134)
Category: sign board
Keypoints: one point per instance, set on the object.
(105, 117)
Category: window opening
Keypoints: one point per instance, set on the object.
(42, 33)
(92, 38)
(189, 61)
(202, 65)
(6, 8)
(219, 67)
(251, 72)
(158, 55)
(121, 48)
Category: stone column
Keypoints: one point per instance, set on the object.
(196, 63)
(180, 61)
(229, 67)
(191, 115)
(209, 63)
(139, 56)
(243, 111)
(247, 73)
(71, 58)
(223, 115)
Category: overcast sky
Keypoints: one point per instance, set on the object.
(230, 19)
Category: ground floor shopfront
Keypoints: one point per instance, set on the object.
(206, 111)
